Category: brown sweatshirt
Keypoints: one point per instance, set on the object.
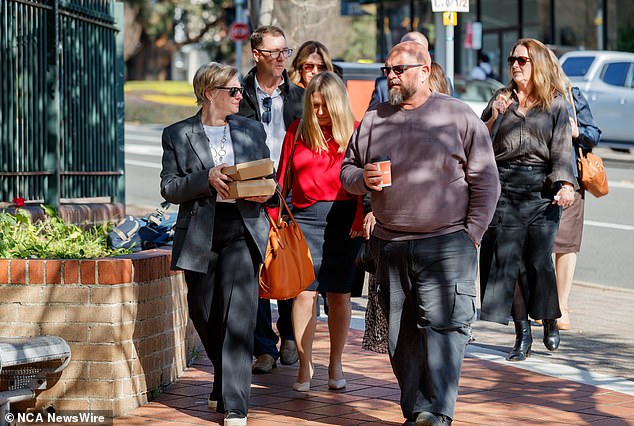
(444, 176)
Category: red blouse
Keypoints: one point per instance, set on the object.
(315, 176)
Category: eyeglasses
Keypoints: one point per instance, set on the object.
(521, 60)
(274, 54)
(233, 91)
(266, 115)
(398, 69)
(311, 67)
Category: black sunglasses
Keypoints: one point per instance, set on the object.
(233, 91)
(398, 69)
(521, 60)
(266, 115)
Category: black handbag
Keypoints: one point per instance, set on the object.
(364, 258)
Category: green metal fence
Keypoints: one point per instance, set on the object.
(61, 107)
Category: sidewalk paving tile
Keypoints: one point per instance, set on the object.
(491, 393)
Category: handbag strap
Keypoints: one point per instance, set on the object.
(572, 103)
(288, 180)
(284, 209)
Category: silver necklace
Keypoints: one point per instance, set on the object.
(220, 153)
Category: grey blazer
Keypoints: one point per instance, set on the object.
(186, 163)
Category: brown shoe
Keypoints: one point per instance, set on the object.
(288, 352)
(264, 364)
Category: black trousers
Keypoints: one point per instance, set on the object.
(518, 247)
(223, 306)
(428, 286)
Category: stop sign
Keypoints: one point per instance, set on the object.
(239, 31)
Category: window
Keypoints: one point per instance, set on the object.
(577, 66)
(615, 73)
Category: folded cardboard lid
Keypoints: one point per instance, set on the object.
(250, 169)
(252, 188)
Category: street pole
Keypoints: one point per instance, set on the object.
(240, 17)
(449, 59)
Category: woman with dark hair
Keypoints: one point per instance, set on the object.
(531, 140)
(312, 153)
(219, 242)
(312, 58)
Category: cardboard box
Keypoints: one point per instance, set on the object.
(252, 188)
(250, 169)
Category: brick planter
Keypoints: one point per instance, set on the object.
(124, 318)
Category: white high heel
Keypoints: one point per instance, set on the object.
(301, 387)
(336, 384)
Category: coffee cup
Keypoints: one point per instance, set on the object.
(385, 166)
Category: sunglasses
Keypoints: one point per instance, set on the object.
(521, 60)
(233, 91)
(266, 115)
(274, 54)
(312, 67)
(398, 69)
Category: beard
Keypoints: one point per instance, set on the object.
(396, 95)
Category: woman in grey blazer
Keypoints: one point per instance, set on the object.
(219, 243)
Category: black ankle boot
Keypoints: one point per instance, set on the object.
(551, 334)
(523, 341)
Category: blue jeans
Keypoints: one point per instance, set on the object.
(265, 339)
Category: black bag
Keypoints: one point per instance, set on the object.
(364, 258)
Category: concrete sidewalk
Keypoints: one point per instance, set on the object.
(589, 380)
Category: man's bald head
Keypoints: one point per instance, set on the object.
(417, 37)
(414, 50)
(408, 64)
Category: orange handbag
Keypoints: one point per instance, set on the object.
(288, 267)
(592, 174)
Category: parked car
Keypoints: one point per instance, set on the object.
(606, 78)
(475, 93)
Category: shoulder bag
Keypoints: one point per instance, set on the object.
(592, 174)
(591, 171)
(288, 267)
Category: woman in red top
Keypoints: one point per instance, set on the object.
(312, 152)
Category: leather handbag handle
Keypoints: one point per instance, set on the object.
(283, 207)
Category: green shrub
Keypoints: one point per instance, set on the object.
(51, 238)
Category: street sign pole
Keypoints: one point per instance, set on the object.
(450, 20)
(239, 5)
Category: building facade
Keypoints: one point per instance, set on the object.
(562, 24)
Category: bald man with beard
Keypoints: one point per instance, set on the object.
(425, 245)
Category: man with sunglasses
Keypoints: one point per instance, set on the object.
(271, 98)
(380, 84)
(425, 245)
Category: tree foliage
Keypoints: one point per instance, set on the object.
(155, 29)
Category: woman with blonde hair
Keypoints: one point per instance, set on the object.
(309, 167)
(534, 157)
(311, 58)
(219, 242)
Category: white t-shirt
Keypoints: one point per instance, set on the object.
(221, 148)
(481, 71)
(275, 129)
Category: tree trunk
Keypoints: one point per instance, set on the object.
(153, 60)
